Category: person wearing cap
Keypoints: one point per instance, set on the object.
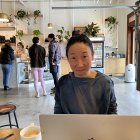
(54, 56)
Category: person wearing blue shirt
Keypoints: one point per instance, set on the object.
(84, 91)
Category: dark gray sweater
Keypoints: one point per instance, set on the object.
(85, 95)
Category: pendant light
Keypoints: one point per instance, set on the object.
(50, 24)
(3, 17)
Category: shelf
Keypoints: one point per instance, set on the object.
(10, 43)
(31, 16)
(7, 28)
(29, 34)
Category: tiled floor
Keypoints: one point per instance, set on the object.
(29, 107)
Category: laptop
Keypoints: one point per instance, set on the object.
(89, 127)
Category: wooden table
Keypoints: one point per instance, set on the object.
(5, 131)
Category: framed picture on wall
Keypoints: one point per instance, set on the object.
(81, 29)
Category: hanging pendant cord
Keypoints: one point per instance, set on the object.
(49, 11)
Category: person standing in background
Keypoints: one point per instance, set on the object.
(54, 57)
(21, 52)
(6, 58)
(37, 55)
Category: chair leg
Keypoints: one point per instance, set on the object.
(9, 120)
(16, 119)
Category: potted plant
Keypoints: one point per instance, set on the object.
(137, 3)
(111, 22)
(28, 14)
(63, 34)
(92, 29)
(20, 14)
(19, 34)
(37, 13)
(37, 33)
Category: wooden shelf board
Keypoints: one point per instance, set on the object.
(6, 28)
(10, 43)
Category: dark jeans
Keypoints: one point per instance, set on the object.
(6, 69)
(54, 71)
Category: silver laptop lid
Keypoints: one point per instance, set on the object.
(90, 127)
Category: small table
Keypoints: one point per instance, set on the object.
(5, 131)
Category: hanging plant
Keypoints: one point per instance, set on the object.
(19, 33)
(63, 34)
(37, 13)
(92, 29)
(137, 3)
(10, 19)
(37, 33)
(28, 14)
(20, 14)
(111, 22)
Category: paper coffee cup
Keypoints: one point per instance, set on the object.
(32, 132)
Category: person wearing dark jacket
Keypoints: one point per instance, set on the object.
(54, 58)
(7, 56)
(37, 55)
(84, 91)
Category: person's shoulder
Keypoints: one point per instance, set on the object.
(41, 47)
(104, 78)
(64, 79)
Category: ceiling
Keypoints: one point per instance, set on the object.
(59, 0)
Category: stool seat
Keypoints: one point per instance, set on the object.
(4, 109)
(7, 109)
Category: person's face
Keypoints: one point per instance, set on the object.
(80, 58)
(50, 39)
(19, 46)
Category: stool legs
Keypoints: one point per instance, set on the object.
(16, 119)
(9, 120)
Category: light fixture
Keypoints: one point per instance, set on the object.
(3, 17)
(97, 1)
(50, 25)
(110, 1)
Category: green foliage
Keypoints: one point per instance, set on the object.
(92, 29)
(21, 14)
(19, 33)
(137, 3)
(36, 14)
(111, 22)
(63, 34)
(36, 33)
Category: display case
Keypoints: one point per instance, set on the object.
(98, 46)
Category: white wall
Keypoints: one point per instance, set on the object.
(71, 18)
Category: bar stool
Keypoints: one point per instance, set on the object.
(6, 110)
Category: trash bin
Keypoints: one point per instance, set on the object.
(130, 73)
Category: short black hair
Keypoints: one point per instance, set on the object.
(35, 40)
(80, 38)
(51, 36)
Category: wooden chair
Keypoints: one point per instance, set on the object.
(7, 109)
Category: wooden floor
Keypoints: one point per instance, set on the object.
(29, 107)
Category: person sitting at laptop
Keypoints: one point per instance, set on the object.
(84, 91)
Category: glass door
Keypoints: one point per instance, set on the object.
(98, 55)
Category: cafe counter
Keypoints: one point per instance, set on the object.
(17, 75)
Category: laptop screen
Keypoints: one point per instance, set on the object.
(90, 127)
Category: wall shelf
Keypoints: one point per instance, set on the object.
(7, 28)
(10, 43)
